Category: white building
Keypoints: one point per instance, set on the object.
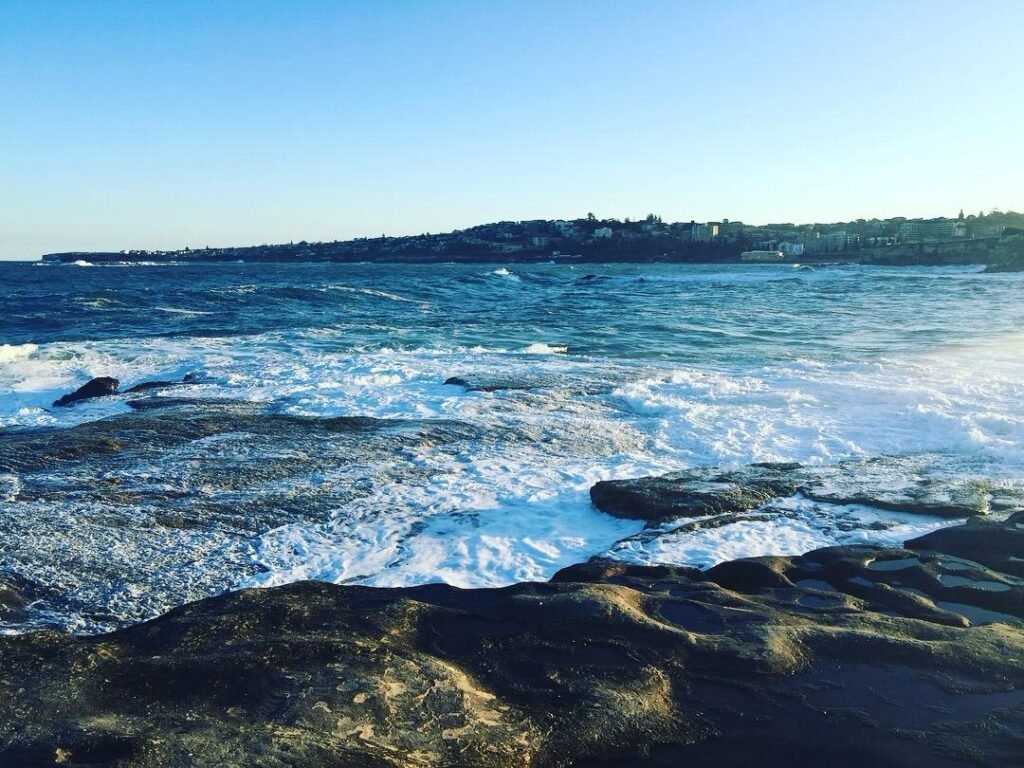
(704, 233)
(827, 242)
(792, 249)
(603, 232)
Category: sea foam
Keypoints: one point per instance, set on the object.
(570, 382)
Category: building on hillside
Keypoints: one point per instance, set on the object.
(603, 232)
(792, 249)
(730, 230)
(826, 242)
(704, 233)
(921, 230)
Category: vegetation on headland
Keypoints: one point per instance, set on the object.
(995, 239)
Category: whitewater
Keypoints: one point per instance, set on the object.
(570, 373)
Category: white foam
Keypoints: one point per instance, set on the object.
(494, 539)
(503, 272)
(33, 376)
(178, 311)
(369, 292)
(815, 413)
(540, 348)
(515, 506)
(792, 527)
(12, 352)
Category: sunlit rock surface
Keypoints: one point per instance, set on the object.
(843, 656)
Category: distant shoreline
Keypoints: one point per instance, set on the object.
(85, 260)
(993, 240)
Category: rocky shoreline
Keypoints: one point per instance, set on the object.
(847, 655)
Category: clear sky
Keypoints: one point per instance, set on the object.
(194, 123)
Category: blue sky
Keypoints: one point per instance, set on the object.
(164, 125)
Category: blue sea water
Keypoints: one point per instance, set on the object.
(604, 370)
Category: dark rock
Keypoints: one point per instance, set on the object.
(857, 655)
(779, 661)
(569, 383)
(98, 387)
(615, 572)
(491, 385)
(779, 466)
(17, 594)
(689, 494)
(750, 575)
(12, 602)
(165, 402)
(145, 386)
(998, 545)
(916, 484)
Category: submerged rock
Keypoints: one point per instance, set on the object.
(567, 383)
(843, 656)
(492, 384)
(146, 386)
(98, 387)
(12, 599)
(181, 489)
(103, 386)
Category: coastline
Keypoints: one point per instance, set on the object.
(880, 259)
(995, 239)
(849, 654)
(224, 462)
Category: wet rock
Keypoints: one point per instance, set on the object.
(147, 386)
(180, 488)
(778, 466)
(569, 383)
(17, 594)
(98, 387)
(12, 601)
(786, 661)
(914, 484)
(492, 384)
(688, 494)
(749, 575)
(998, 545)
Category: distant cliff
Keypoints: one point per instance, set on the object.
(1008, 256)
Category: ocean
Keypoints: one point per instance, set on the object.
(568, 374)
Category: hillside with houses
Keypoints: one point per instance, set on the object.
(995, 237)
